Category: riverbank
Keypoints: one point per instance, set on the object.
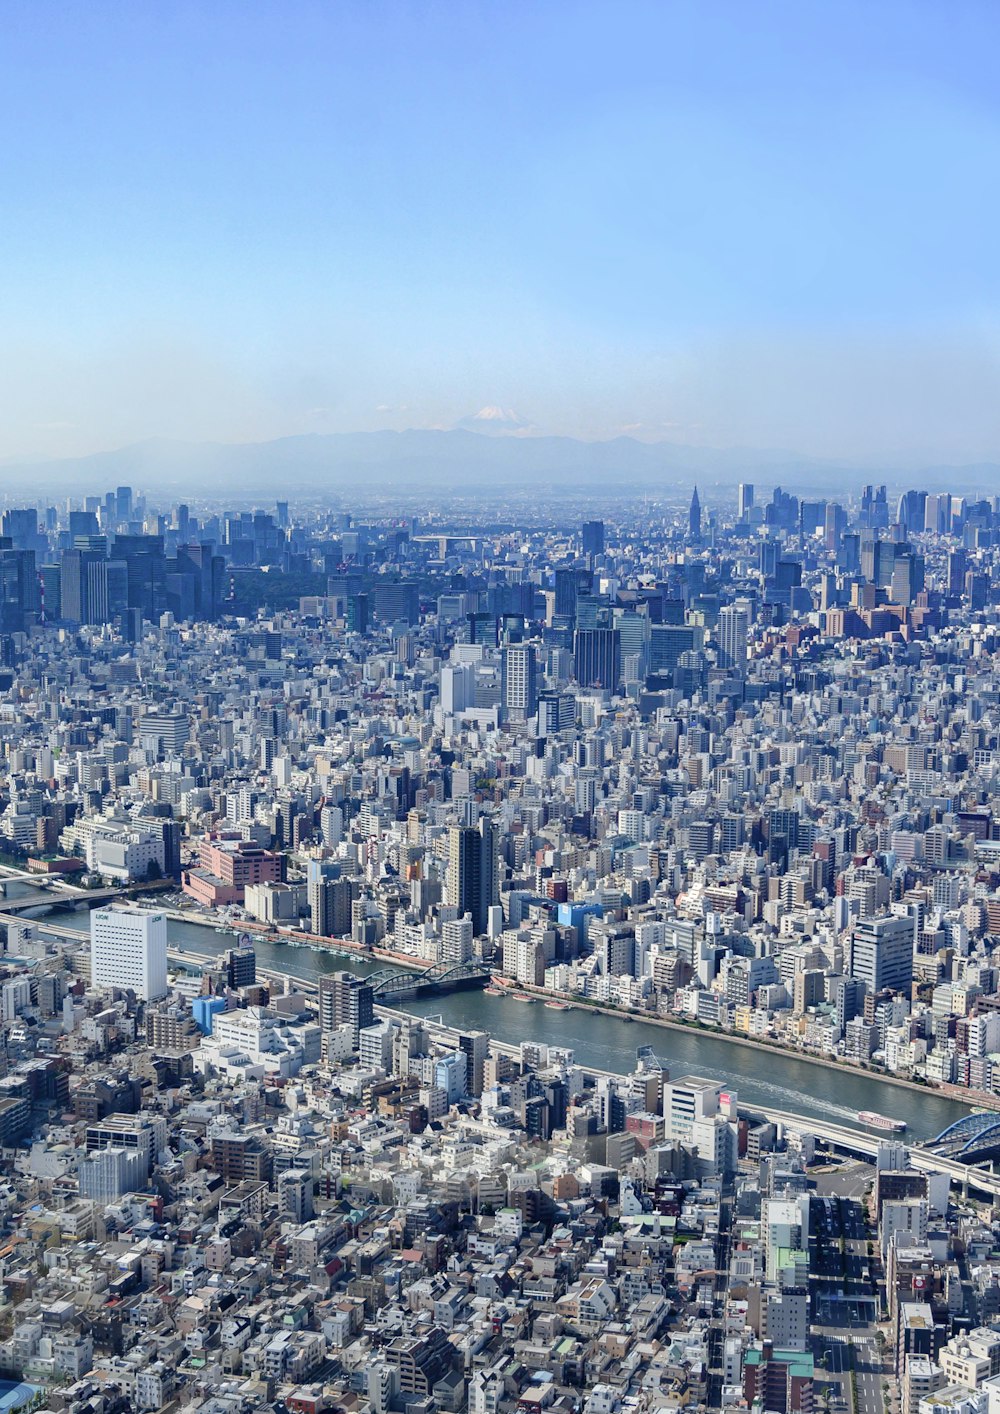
(832, 1066)
(773, 1048)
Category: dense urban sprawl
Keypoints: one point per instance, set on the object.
(732, 769)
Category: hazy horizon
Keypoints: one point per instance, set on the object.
(723, 227)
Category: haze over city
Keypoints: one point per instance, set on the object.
(768, 227)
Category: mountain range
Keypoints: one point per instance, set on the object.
(499, 457)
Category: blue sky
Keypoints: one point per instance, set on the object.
(766, 224)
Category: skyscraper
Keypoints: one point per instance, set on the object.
(598, 657)
(694, 517)
(519, 690)
(745, 500)
(128, 949)
(734, 627)
(593, 537)
(472, 882)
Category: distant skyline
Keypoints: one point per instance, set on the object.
(769, 226)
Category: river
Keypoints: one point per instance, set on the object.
(760, 1077)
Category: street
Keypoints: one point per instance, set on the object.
(844, 1305)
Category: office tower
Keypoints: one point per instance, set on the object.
(593, 537)
(357, 613)
(75, 583)
(977, 588)
(597, 653)
(633, 635)
(882, 953)
(834, 526)
(472, 883)
(668, 641)
(786, 579)
(106, 590)
(482, 628)
(19, 596)
(812, 515)
(767, 557)
(123, 502)
(241, 967)
(568, 584)
(170, 730)
(556, 712)
(694, 517)
(197, 580)
(849, 554)
(345, 1000)
(458, 688)
(147, 571)
(519, 690)
(937, 513)
(396, 602)
(734, 628)
(22, 528)
(910, 511)
(745, 500)
(957, 566)
(907, 578)
(128, 949)
(874, 508)
(83, 523)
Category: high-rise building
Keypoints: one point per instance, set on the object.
(128, 949)
(345, 1000)
(556, 712)
(694, 517)
(172, 730)
(320, 873)
(745, 500)
(357, 614)
(734, 627)
(597, 652)
(957, 567)
(519, 690)
(330, 900)
(475, 1046)
(593, 537)
(472, 881)
(241, 967)
(882, 953)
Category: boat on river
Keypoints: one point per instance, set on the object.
(877, 1121)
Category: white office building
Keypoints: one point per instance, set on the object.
(128, 949)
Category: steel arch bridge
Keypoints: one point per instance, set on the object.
(441, 976)
(969, 1134)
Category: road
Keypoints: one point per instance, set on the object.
(716, 1339)
(844, 1333)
